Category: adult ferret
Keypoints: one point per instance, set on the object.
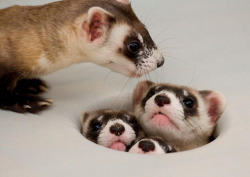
(38, 40)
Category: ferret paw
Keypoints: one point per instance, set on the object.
(31, 86)
(25, 103)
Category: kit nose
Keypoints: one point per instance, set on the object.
(117, 129)
(160, 63)
(146, 146)
(162, 100)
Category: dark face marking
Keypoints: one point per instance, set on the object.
(134, 49)
(189, 102)
(146, 144)
(163, 144)
(134, 46)
(151, 92)
(103, 117)
(124, 14)
(94, 129)
(132, 56)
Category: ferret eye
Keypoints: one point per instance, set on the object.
(132, 122)
(96, 126)
(134, 47)
(189, 103)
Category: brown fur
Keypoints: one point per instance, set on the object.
(194, 127)
(28, 31)
(29, 34)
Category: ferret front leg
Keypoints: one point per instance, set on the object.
(11, 100)
(31, 86)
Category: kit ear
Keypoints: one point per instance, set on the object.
(85, 116)
(215, 102)
(140, 90)
(126, 2)
(97, 25)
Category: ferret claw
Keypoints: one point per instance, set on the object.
(49, 100)
(32, 89)
(26, 107)
(44, 103)
(43, 88)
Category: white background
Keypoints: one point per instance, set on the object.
(206, 45)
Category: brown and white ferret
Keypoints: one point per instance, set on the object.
(111, 128)
(151, 145)
(183, 116)
(38, 40)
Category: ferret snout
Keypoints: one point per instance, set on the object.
(161, 100)
(146, 146)
(151, 145)
(117, 129)
(160, 63)
(112, 129)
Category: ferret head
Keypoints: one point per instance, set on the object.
(111, 129)
(184, 116)
(151, 145)
(112, 36)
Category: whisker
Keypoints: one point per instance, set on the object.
(170, 57)
(166, 39)
(164, 29)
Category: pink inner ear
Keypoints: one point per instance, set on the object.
(213, 110)
(95, 28)
(124, 1)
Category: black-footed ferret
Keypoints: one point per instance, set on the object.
(151, 145)
(110, 128)
(183, 116)
(38, 40)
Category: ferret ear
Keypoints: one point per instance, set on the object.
(85, 116)
(126, 2)
(97, 25)
(140, 90)
(215, 102)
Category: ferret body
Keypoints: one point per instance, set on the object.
(38, 40)
(110, 128)
(183, 116)
(151, 145)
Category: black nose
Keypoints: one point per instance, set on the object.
(162, 100)
(146, 146)
(117, 129)
(160, 63)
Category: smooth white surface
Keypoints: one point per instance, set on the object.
(207, 46)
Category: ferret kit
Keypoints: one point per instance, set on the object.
(167, 118)
(183, 116)
(38, 40)
(120, 130)
(151, 145)
(111, 128)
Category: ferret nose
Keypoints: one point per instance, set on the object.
(117, 129)
(162, 100)
(146, 146)
(160, 63)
